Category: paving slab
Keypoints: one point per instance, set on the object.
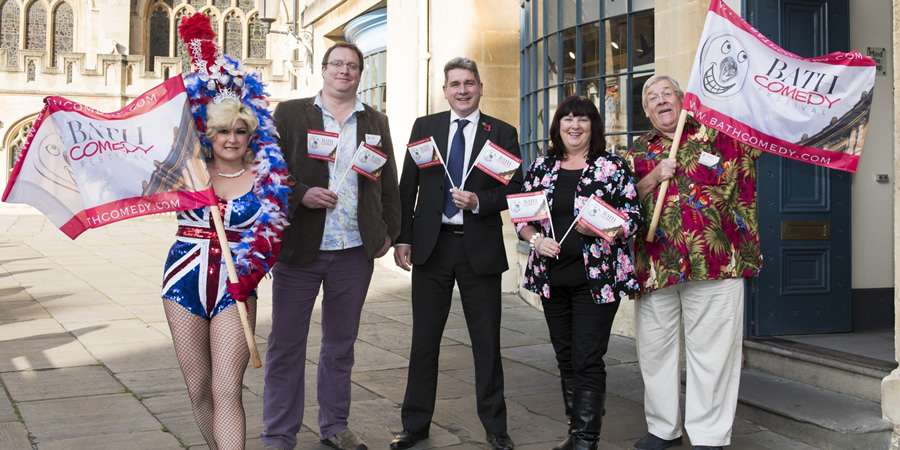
(67, 382)
(130, 356)
(53, 420)
(120, 331)
(139, 440)
(14, 436)
(386, 335)
(541, 356)
(7, 413)
(31, 329)
(46, 353)
(508, 338)
(153, 383)
(13, 293)
(174, 412)
(22, 310)
(73, 314)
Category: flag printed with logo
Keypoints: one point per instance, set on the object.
(528, 207)
(84, 168)
(814, 110)
(497, 162)
(424, 153)
(322, 144)
(599, 217)
(369, 161)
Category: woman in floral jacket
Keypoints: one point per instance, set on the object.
(581, 279)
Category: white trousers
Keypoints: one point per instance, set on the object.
(713, 313)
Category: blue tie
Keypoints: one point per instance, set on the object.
(456, 158)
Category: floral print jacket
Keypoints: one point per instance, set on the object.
(608, 266)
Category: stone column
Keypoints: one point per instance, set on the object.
(890, 386)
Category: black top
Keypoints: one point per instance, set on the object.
(568, 270)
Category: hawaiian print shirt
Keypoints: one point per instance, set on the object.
(609, 267)
(708, 225)
(341, 222)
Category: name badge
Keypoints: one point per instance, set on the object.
(374, 140)
(708, 159)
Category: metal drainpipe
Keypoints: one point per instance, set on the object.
(424, 57)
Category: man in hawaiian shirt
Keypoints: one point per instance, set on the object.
(707, 242)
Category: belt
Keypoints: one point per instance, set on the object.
(206, 233)
(449, 228)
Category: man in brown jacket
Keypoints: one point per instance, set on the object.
(340, 222)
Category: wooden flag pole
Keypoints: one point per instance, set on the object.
(660, 198)
(233, 277)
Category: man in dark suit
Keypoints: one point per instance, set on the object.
(339, 224)
(455, 235)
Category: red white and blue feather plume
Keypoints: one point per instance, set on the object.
(219, 76)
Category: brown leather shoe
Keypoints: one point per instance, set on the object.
(345, 440)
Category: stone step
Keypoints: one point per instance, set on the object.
(837, 371)
(811, 414)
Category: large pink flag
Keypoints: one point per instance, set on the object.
(84, 168)
(809, 109)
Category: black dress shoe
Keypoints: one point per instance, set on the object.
(500, 441)
(408, 438)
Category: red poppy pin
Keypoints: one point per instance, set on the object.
(487, 126)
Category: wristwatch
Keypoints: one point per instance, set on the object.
(534, 238)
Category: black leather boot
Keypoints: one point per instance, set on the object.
(568, 385)
(587, 419)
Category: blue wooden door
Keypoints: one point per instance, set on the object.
(804, 210)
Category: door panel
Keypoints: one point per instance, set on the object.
(804, 210)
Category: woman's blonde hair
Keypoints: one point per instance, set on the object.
(223, 115)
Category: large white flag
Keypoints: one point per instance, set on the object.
(809, 109)
(84, 168)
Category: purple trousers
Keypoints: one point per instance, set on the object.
(344, 276)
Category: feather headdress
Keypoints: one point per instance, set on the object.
(219, 76)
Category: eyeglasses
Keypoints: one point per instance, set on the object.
(665, 96)
(338, 64)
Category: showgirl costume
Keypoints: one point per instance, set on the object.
(194, 274)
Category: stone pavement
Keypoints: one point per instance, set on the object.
(86, 360)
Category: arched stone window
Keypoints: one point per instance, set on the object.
(9, 30)
(159, 36)
(180, 47)
(233, 35)
(63, 31)
(36, 26)
(256, 38)
(16, 138)
(214, 21)
(241, 35)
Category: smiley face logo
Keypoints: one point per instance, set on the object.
(724, 63)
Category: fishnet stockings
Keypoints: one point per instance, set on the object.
(213, 356)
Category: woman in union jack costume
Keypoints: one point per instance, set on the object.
(250, 179)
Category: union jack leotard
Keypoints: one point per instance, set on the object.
(194, 274)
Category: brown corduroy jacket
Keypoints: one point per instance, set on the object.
(378, 209)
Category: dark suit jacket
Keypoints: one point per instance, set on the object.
(422, 195)
(378, 209)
